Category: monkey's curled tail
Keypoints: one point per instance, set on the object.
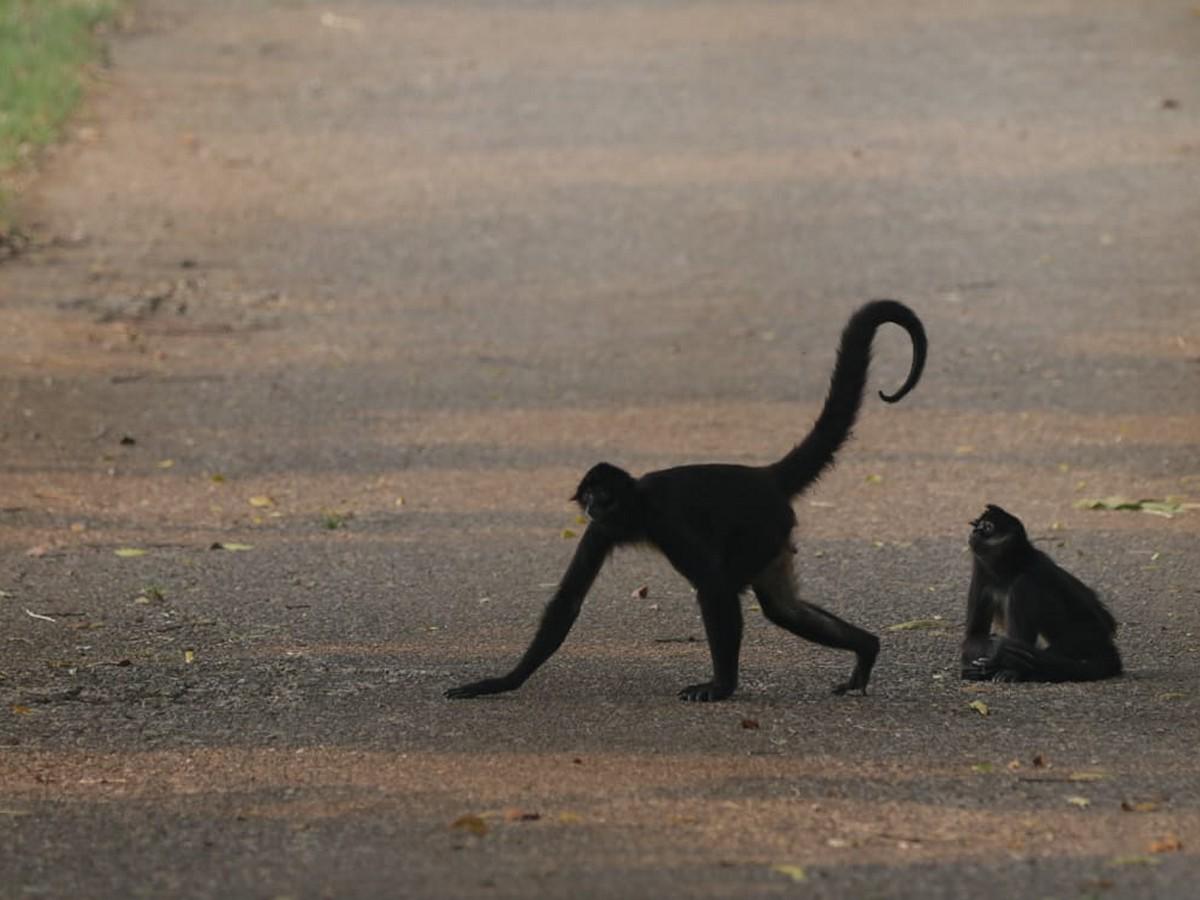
(812, 456)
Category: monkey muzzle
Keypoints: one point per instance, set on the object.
(595, 503)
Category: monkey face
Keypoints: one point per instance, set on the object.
(597, 501)
(608, 495)
(995, 530)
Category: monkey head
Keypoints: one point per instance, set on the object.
(609, 497)
(995, 533)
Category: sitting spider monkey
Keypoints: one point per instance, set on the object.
(1028, 596)
(725, 528)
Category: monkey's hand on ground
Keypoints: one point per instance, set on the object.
(480, 688)
(976, 670)
(1008, 659)
(1009, 654)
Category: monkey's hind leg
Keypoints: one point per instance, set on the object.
(775, 589)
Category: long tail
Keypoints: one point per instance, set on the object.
(812, 456)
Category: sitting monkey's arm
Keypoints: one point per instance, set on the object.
(976, 646)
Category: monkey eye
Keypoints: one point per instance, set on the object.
(985, 527)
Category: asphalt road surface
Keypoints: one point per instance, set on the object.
(354, 292)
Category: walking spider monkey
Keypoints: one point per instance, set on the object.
(726, 528)
(1028, 596)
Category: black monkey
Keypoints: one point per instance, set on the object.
(1028, 596)
(725, 528)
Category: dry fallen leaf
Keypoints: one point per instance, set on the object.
(1167, 508)
(979, 706)
(795, 873)
(1167, 844)
(341, 23)
(1139, 806)
(640, 593)
(750, 724)
(261, 502)
(470, 823)
(1039, 761)
(567, 533)
(918, 624)
(20, 710)
(1086, 776)
(189, 656)
(1081, 802)
(1133, 860)
(514, 814)
(129, 552)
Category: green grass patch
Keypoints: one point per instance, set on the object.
(44, 46)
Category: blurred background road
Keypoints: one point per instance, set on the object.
(329, 305)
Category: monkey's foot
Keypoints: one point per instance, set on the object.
(1008, 675)
(1012, 656)
(976, 671)
(847, 686)
(859, 677)
(858, 682)
(709, 692)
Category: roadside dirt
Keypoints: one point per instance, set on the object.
(328, 306)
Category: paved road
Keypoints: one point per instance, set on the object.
(356, 291)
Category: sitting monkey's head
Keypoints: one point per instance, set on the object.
(996, 532)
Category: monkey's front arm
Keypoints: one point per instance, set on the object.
(557, 619)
